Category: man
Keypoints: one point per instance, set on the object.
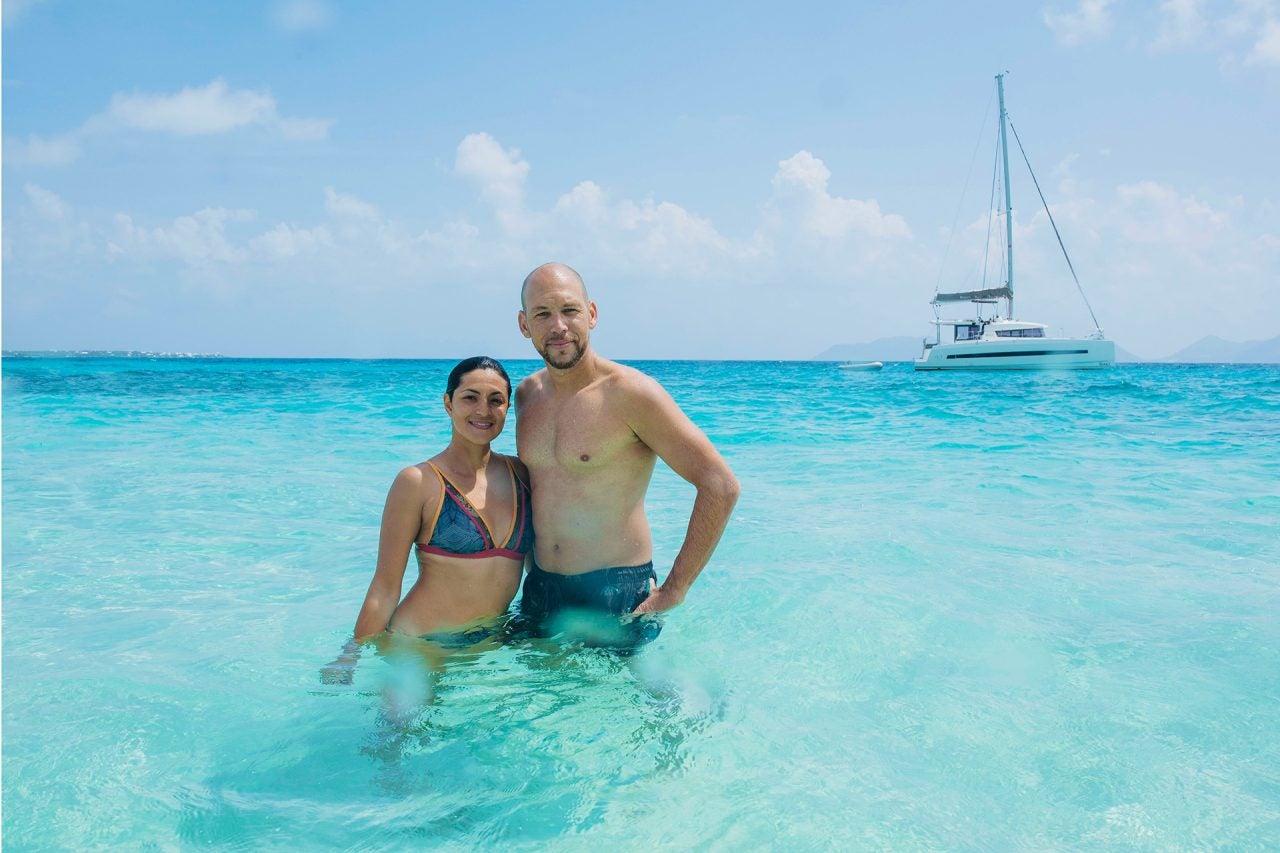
(590, 431)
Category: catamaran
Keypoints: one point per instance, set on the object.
(999, 342)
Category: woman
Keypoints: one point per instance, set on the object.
(466, 513)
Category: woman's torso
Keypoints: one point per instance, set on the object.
(470, 550)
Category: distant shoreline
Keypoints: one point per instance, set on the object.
(140, 355)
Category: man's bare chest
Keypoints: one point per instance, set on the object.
(575, 435)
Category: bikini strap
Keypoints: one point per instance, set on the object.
(444, 493)
(516, 504)
(511, 465)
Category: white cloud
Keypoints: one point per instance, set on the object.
(500, 174)
(211, 109)
(285, 241)
(584, 223)
(193, 111)
(1154, 213)
(1090, 21)
(585, 204)
(298, 16)
(343, 206)
(195, 240)
(46, 227)
(669, 229)
(1246, 18)
(47, 204)
(1161, 267)
(661, 236)
(1182, 24)
(1241, 31)
(42, 151)
(1145, 253)
(800, 190)
(1266, 50)
(1067, 184)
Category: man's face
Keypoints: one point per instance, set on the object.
(558, 318)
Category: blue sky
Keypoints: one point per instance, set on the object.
(734, 180)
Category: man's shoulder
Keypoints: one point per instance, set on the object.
(532, 383)
(628, 386)
(630, 380)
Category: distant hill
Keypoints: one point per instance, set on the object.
(882, 349)
(1215, 350)
(1123, 356)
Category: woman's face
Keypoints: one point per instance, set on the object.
(479, 406)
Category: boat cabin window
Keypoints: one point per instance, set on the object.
(968, 332)
(1020, 333)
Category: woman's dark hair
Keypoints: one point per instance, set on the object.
(476, 362)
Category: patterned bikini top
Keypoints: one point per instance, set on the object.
(460, 531)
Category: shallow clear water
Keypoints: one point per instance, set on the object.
(956, 612)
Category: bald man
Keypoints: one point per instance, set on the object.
(590, 430)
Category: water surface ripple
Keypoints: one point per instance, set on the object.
(952, 612)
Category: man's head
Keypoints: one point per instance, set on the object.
(556, 314)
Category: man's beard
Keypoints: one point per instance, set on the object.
(567, 359)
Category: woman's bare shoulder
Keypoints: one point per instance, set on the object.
(418, 480)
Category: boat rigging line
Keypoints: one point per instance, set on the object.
(991, 214)
(973, 158)
(1070, 266)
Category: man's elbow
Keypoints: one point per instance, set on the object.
(724, 487)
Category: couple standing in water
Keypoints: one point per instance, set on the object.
(589, 434)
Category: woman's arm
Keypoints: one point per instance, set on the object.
(401, 519)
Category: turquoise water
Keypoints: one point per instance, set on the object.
(952, 612)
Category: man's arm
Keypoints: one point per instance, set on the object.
(659, 423)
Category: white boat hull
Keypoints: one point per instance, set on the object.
(1019, 354)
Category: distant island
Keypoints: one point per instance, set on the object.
(1215, 350)
(1207, 350)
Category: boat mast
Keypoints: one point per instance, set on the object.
(1008, 198)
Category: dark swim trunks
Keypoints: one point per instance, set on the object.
(591, 607)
